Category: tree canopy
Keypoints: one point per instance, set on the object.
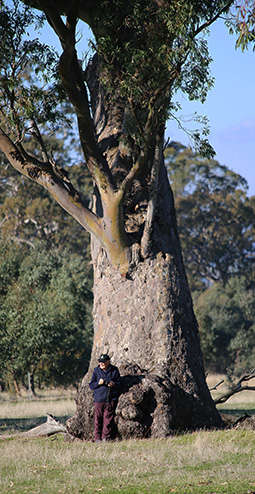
(226, 321)
(144, 57)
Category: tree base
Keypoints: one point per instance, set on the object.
(149, 406)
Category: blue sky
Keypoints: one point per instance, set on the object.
(230, 105)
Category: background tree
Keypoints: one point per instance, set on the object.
(146, 51)
(45, 316)
(215, 217)
(216, 224)
(226, 322)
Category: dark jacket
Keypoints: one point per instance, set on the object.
(101, 391)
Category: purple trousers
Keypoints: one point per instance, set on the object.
(104, 419)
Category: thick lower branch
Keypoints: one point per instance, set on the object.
(109, 229)
(41, 174)
(237, 388)
(232, 392)
(114, 236)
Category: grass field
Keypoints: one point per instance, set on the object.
(215, 462)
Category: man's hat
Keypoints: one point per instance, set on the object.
(104, 357)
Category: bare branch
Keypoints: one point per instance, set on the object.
(37, 134)
(42, 165)
(224, 398)
(135, 170)
(216, 385)
(237, 388)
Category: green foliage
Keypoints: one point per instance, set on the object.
(30, 89)
(226, 318)
(45, 315)
(242, 22)
(9, 266)
(151, 39)
(35, 110)
(45, 294)
(151, 50)
(215, 216)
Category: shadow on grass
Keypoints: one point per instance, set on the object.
(25, 424)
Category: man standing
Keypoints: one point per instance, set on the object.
(105, 383)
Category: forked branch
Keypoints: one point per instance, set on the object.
(237, 388)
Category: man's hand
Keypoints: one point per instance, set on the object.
(111, 384)
(101, 381)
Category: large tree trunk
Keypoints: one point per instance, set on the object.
(145, 321)
(147, 325)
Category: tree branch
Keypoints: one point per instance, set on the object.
(135, 170)
(72, 78)
(213, 19)
(228, 395)
(146, 238)
(58, 185)
(37, 135)
(216, 385)
(237, 388)
(149, 146)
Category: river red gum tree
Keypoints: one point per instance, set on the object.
(143, 312)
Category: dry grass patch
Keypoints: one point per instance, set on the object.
(219, 462)
(37, 408)
(60, 400)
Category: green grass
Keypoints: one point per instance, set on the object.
(205, 462)
(220, 462)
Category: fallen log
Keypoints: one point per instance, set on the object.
(51, 426)
(48, 428)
